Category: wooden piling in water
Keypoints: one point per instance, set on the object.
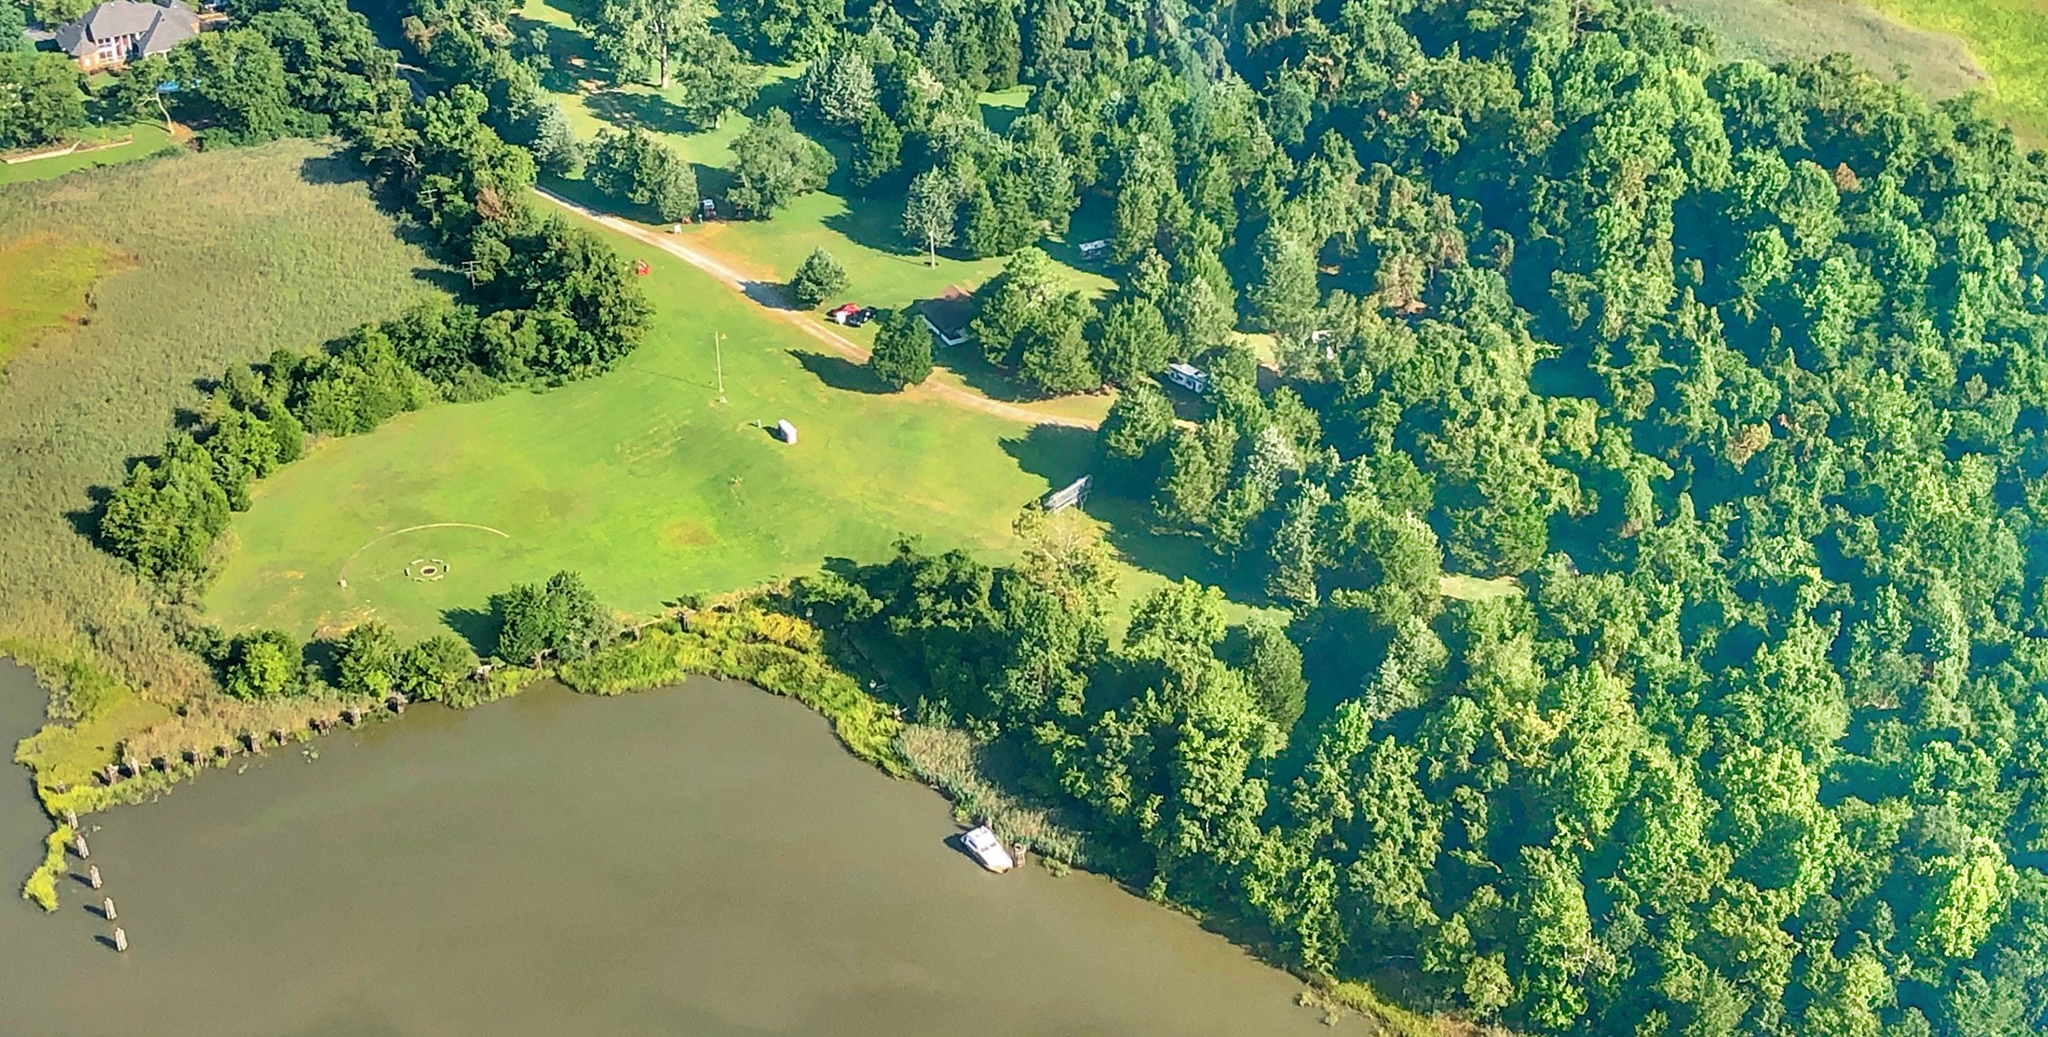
(120, 939)
(71, 817)
(92, 875)
(78, 846)
(107, 908)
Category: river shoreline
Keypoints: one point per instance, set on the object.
(701, 856)
(22, 820)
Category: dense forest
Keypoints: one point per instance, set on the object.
(1733, 377)
(1737, 371)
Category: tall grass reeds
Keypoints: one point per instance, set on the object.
(980, 779)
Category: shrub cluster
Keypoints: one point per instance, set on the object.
(636, 169)
(768, 649)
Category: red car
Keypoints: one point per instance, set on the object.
(852, 315)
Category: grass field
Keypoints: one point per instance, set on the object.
(231, 255)
(1474, 588)
(149, 138)
(1941, 48)
(47, 277)
(2009, 38)
(640, 479)
(877, 275)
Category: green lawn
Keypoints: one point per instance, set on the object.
(1475, 588)
(861, 237)
(638, 478)
(223, 257)
(149, 138)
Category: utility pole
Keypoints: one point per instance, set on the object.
(718, 357)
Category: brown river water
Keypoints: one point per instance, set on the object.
(701, 861)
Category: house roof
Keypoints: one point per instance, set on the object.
(156, 27)
(950, 313)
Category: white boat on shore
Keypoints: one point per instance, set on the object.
(985, 847)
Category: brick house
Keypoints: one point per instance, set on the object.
(117, 32)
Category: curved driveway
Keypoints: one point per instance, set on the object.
(770, 297)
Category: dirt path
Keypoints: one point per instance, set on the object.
(769, 297)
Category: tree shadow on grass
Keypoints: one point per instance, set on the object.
(582, 192)
(651, 112)
(581, 11)
(840, 373)
(85, 521)
(712, 181)
(324, 654)
(777, 94)
(983, 377)
(1174, 555)
(478, 627)
(563, 44)
(442, 279)
(334, 168)
(1056, 453)
(586, 194)
(876, 225)
(769, 295)
(999, 118)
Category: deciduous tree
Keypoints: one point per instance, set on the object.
(772, 164)
(41, 97)
(263, 665)
(236, 80)
(561, 616)
(930, 210)
(641, 36)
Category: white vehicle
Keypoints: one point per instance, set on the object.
(1189, 377)
(986, 848)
